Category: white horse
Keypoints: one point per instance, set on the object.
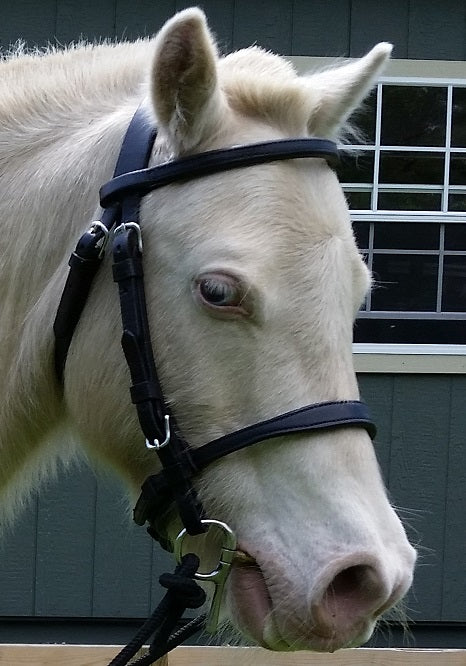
(270, 330)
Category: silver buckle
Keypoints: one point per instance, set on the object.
(130, 225)
(219, 575)
(156, 444)
(96, 226)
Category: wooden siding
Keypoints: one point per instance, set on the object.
(421, 443)
(75, 553)
(420, 29)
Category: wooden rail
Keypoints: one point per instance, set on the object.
(85, 655)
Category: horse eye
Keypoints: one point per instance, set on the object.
(220, 291)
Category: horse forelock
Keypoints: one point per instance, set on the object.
(260, 84)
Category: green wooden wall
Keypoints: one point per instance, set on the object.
(75, 554)
(421, 29)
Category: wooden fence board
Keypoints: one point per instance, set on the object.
(74, 655)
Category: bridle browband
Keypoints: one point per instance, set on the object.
(144, 181)
(121, 198)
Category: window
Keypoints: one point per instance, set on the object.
(406, 187)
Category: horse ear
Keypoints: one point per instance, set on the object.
(337, 92)
(184, 86)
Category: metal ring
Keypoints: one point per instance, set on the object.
(219, 575)
(228, 544)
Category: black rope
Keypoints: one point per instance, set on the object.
(182, 592)
(176, 639)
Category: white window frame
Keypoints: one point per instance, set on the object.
(404, 358)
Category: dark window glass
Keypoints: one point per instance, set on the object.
(458, 169)
(415, 331)
(454, 284)
(358, 200)
(413, 116)
(356, 167)
(411, 168)
(405, 282)
(455, 237)
(361, 231)
(457, 202)
(458, 119)
(364, 119)
(406, 236)
(409, 201)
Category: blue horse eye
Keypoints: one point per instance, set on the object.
(219, 292)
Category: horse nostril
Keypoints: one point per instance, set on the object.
(352, 596)
(352, 581)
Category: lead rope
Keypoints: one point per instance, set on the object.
(159, 428)
(182, 592)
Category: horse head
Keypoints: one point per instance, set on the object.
(253, 281)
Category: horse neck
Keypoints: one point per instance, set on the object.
(52, 163)
(55, 152)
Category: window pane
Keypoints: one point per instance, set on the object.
(409, 201)
(457, 202)
(361, 231)
(458, 124)
(405, 282)
(411, 168)
(455, 237)
(364, 119)
(356, 167)
(454, 284)
(406, 331)
(458, 169)
(413, 116)
(358, 200)
(406, 236)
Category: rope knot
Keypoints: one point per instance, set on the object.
(181, 584)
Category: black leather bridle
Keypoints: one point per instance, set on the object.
(120, 198)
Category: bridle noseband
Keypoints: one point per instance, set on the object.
(121, 198)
